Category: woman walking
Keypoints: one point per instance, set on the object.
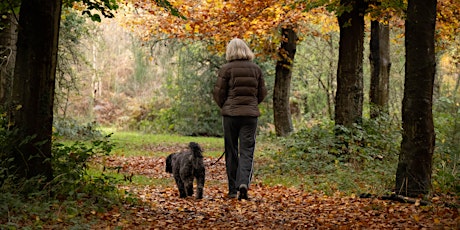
(239, 89)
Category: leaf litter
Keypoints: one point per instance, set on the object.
(269, 207)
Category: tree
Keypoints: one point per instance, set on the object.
(413, 175)
(349, 95)
(382, 13)
(8, 54)
(33, 85)
(282, 114)
(380, 68)
(8, 36)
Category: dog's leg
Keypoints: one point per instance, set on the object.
(180, 186)
(199, 187)
(199, 174)
(189, 186)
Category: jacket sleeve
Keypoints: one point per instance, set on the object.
(262, 90)
(220, 89)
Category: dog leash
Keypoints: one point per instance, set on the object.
(219, 158)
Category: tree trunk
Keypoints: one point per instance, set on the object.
(380, 68)
(281, 109)
(349, 95)
(413, 175)
(33, 85)
(331, 79)
(8, 38)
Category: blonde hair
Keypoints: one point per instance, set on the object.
(237, 49)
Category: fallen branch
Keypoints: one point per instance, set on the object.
(398, 198)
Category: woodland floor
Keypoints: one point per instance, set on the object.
(269, 207)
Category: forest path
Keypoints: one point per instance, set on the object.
(269, 207)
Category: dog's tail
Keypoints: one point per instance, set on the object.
(196, 149)
(169, 163)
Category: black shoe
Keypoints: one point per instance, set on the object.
(243, 192)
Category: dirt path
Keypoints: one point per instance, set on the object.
(269, 207)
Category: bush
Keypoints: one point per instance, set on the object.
(69, 196)
(70, 167)
(446, 159)
(71, 129)
(359, 160)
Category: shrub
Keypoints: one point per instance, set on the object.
(71, 129)
(446, 159)
(362, 159)
(70, 166)
(72, 192)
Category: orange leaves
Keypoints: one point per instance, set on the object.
(447, 20)
(218, 20)
(269, 207)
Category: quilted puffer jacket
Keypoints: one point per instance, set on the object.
(240, 88)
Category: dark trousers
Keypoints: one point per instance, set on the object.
(240, 141)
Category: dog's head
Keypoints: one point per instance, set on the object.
(196, 149)
(169, 163)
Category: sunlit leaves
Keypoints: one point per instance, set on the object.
(92, 8)
(447, 21)
(258, 22)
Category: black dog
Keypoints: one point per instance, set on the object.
(186, 166)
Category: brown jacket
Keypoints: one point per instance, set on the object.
(240, 88)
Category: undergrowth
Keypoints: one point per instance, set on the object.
(362, 159)
(446, 160)
(70, 200)
(359, 160)
(73, 130)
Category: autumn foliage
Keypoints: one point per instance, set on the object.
(259, 22)
(217, 21)
(447, 21)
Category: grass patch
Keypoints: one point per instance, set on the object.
(143, 144)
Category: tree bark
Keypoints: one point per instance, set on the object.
(380, 68)
(413, 175)
(8, 38)
(281, 91)
(33, 85)
(349, 95)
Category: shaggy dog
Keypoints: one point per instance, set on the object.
(186, 166)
